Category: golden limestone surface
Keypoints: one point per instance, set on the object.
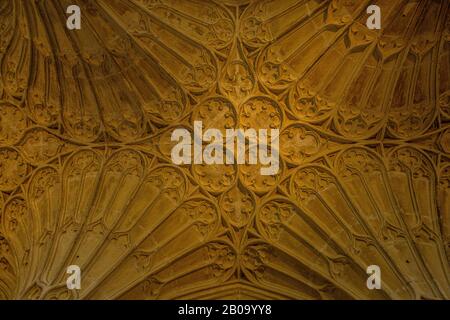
(87, 179)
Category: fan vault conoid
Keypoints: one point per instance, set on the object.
(86, 176)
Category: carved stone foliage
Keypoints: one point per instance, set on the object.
(86, 176)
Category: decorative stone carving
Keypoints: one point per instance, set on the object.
(85, 137)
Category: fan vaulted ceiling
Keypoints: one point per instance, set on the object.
(86, 176)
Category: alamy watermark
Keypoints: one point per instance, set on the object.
(229, 148)
(374, 279)
(74, 280)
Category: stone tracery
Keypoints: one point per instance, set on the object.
(85, 171)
